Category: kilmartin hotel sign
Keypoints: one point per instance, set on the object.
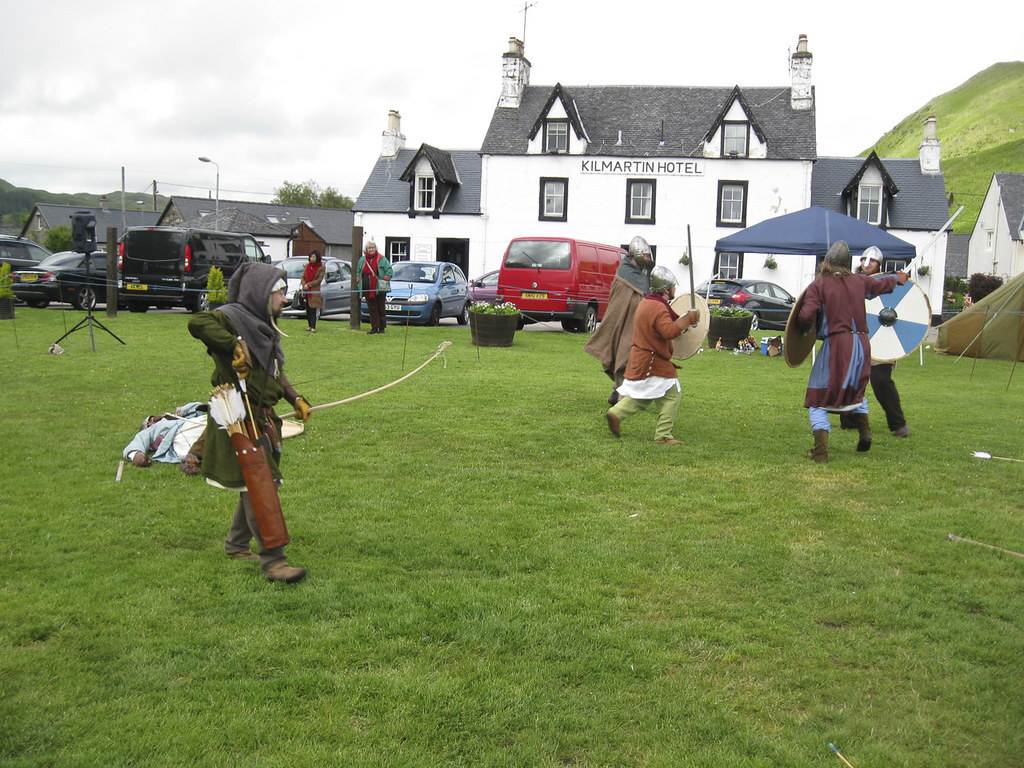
(644, 167)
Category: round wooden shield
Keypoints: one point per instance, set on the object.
(797, 344)
(290, 428)
(897, 321)
(687, 344)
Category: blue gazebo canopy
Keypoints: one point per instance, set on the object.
(811, 232)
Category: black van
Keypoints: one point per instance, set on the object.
(168, 266)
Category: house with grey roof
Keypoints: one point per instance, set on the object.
(275, 226)
(997, 242)
(602, 163)
(45, 217)
(904, 196)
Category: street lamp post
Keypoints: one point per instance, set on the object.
(216, 210)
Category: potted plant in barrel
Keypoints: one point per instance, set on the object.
(730, 324)
(493, 323)
(216, 292)
(6, 292)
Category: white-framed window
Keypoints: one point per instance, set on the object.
(397, 249)
(732, 204)
(869, 203)
(554, 194)
(424, 193)
(640, 201)
(729, 265)
(556, 135)
(990, 238)
(734, 139)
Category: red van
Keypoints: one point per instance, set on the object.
(559, 278)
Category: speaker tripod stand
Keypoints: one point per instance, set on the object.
(89, 320)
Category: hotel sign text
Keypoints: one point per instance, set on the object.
(644, 167)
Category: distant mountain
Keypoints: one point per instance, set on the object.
(16, 203)
(981, 127)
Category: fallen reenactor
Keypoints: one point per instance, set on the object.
(174, 438)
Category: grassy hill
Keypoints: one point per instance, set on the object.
(981, 127)
(16, 203)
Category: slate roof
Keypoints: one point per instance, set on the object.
(385, 192)
(56, 215)
(921, 203)
(1011, 191)
(956, 254)
(334, 225)
(234, 220)
(656, 121)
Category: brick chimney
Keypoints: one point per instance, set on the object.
(515, 74)
(929, 154)
(801, 95)
(393, 138)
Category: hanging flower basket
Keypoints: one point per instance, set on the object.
(493, 324)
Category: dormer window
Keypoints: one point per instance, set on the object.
(556, 135)
(424, 193)
(734, 139)
(869, 203)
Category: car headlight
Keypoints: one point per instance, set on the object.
(419, 298)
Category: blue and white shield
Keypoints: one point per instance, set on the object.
(897, 321)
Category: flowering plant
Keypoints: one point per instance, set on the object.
(729, 312)
(494, 308)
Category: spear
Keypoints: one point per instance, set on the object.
(840, 755)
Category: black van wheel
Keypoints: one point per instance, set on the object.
(134, 306)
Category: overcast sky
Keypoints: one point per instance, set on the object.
(300, 90)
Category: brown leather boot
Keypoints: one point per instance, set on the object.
(284, 572)
(819, 452)
(865, 432)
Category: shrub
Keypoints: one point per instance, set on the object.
(955, 284)
(729, 312)
(494, 308)
(216, 292)
(981, 285)
(6, 281)
(58, 239)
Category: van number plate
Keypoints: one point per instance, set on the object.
(534, 295)
(136, 286)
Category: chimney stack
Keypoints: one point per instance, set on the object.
(801, 94)
(393, 138)
(929, 154)
(515, 74)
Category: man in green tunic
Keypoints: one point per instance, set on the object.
(244, 342)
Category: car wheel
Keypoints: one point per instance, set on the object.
(85, 299)
(134, 306)
(463, 317)
(203, 304)
(435, 314)
(755, 322)
(38, 303)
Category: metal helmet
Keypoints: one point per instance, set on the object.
(639, 247)
(662, 278)
(871, 253)
(839, 254)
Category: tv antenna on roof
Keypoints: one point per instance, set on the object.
(526, 7)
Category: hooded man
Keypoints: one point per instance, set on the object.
(839, 376)
(650, 375)
(611, 341)
(244, 342)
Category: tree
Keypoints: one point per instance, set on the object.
(58, 239)
(310, 194)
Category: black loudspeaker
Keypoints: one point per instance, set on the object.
(83, 232)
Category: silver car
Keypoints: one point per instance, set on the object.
(335, 290)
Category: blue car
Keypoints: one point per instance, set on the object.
(424, 292)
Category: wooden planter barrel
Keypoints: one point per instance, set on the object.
(6, 309)
(731, 330)
(493, 330)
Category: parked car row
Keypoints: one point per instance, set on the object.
(335, 290)
(66, 276)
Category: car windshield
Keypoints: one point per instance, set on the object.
(293, 267)
(538, 254)
(410, 271)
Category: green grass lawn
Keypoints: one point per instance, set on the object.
(494, 580)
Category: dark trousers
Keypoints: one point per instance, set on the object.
(378, 318)
(884, 389)
(311, 314)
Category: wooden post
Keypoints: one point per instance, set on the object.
(111, 271)
(353, 304)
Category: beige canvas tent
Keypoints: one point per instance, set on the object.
(992, 328)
